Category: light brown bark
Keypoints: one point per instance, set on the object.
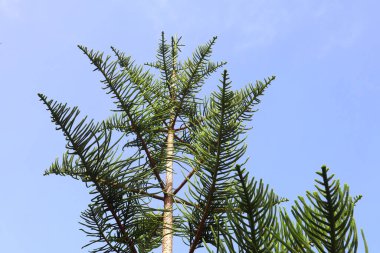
(167, 240)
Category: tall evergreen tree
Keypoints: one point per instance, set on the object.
(164, 129)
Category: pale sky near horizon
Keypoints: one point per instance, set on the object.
(323, 107)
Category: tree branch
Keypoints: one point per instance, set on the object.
(78, 150)
(184, 181)
(152, 162)
(120, 186)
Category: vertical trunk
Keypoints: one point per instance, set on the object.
(167, 240)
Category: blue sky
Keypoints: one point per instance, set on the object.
(323, 108)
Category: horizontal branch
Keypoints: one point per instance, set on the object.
(166, 130)
(118, 185)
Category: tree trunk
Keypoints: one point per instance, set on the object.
(167, 240)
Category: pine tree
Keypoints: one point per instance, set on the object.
(161, 128)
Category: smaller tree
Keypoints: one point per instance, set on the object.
(325, 224)
(163, 129)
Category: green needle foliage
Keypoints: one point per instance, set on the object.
(159, 130)
(256, 207)
(327, 222)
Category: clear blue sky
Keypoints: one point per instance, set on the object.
(323, 108)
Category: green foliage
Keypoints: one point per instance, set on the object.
(257, 212)
(327, 222)
(324, 225)
(222, 208)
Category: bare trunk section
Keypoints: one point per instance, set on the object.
(167, 240)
